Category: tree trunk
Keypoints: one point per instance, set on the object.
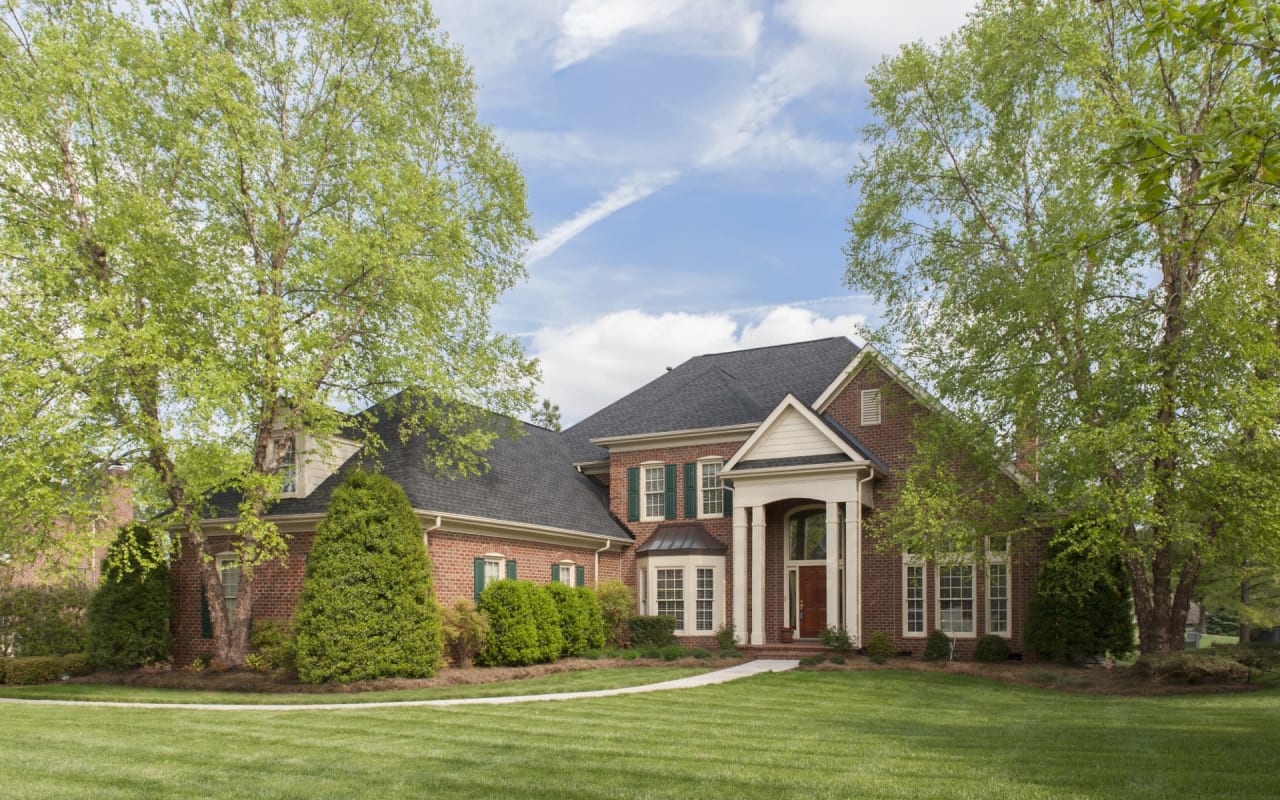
(1246, 630)
(1161, 610)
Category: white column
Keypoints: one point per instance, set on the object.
(853, 569)
(833, 563)
(740, 572)
(757, 574)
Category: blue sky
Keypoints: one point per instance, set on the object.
(686, 163)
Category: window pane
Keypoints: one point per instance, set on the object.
(230, 583)
(655, 487)
(712, 494)
(492, 571)
(955, 599)
(809, 536)
(915, 599)
(706, 600)
(288, 472)
(998, 598)
(671, 595)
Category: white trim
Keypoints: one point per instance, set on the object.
(789, 564)
(866, 355)
(998, 558)
(910, 561)
(647, 568)
(225, 562)
(973, 597)
(645, 516)
(790, 402)
(870, 407)
(702, 513)
(797, 469)
(649, 441)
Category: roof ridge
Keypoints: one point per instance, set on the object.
(772, 347)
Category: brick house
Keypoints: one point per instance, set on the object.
(733, 489)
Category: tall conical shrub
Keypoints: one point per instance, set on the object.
(127, 623)
(367, 609)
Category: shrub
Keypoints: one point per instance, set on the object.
(513, 628)
(1081, 606)
(837, 638)
(672, 652)
(837, 659)
(1192, 668)
(466, 629)
(937, 647)
(616, 605)
(992, 649)
(276, 645)
(880, 647)
(546, 615)
(811, 661)
(1260, 656)
(30, 670)
(727, 637)
(594, 620)
(128, 620)
(580, 631)
(43, 620)
(76, 664)
(367, 609)
(700, 653)
(652, 631)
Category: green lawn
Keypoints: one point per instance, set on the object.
(580, 681)
(806, 735)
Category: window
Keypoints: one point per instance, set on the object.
(913, 599)
(712, 490)
(955, 599)
(671, 595)
(706, 600)
(870, 406)
(229, 569)
(492, 567)
(564, 573)
(998, 585)
(807, 536)
(655, 492)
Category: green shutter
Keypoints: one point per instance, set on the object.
(511, 569)
(727, 492)
(479, 577)
(555, 573)
(633, 494)
(206, 621)
(671, 491)
(581, 575)
(690, 491)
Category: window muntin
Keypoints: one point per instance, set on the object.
(229, 570)
(955, 599)
(493, 570)
(998, 599)
(807, 536)
(288, 469)
(705, 610)
(655, 492)
(671, 595)
(711, 488)
(564, 574)
(913, 599)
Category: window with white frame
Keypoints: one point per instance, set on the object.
(288, 470)
(706, 601)
(229, 570)
(564, 573)
(655, 492)
(998, 585)
(492, 569)
(955, 599)
(671, 595)
(870, 404)
(913, 609)
(711, 489)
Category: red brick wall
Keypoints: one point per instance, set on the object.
(279, 584)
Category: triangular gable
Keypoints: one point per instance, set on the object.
(792, 431)
(870, 355)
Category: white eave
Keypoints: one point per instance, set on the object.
(868, 355)
(791, 403)
(646, 441)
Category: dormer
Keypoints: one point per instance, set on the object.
(311, 460)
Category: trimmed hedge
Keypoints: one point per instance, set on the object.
(657, 632)
(127, 624)
(546, 614)
(581, 630)
(43, 620)
(937, 647)
(991, 649)
(593, 619)
(367, 609)
(513, 625)
(31, 670)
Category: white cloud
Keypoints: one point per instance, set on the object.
(590, 26)
(498, 34)
(630, 190)
(871, 30)
(589, 365)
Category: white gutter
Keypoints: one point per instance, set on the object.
(598, 552)
(426, 544)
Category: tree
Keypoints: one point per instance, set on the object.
(220, 225)
(1069, 213)
(127, 624)
(1081, 605)
(548, 415)
(367, 608)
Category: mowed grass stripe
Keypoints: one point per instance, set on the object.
(838, 735)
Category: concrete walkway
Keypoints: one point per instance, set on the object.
(706, 679)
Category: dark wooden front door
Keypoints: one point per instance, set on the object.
(813, 600)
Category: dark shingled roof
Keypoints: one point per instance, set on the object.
(681, 538)
(710, 391)
(531, 479)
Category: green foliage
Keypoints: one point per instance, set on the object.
(576, 629)
(1192, 667)
(43, 620)
(127, 624)
(546, 615)
(837, 638)
(727, 637)
(1081, 606)
(30, 670)
(513, 626)
(651, 631)
(812, 661)
(255, 219)
(880, 647)
(992, 649)
(937, 647)
(616, 607)
(466, 629)
(547, 415)
(276, 645)
(367, 608)
(1068, 211)
(672, 652)
(593, 619)
(1259, 656)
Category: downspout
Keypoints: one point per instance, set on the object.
(857, 597)
(598, 552)
(426, 544)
